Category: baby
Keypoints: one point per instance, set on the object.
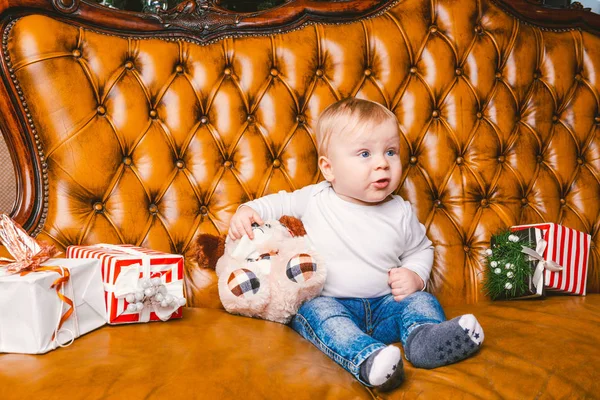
(378, 255)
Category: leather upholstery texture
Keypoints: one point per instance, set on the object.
(227, 359)
(152, 141)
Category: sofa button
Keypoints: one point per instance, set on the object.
(368, 72)
(204, 120)
(466, 248)
(101, 110)
(153, 209)
(501, 159)
(153, 114)
(478, 29)
(597, 119)
(300, 119)
(179, 69)
(479, 115)
(76, 53)
(129, 65)
(250, 118)
(274, 72)
(319, 73)
(459, 160)
(580, 161)
(458, 71)
(438, 203)
(227, 71)
(578, 77)
(203, 210)
(563, 202)
(127, 161)
(555, 118)
(433, 29)
(435, 114)
(413, 70)
(276, 163)
(227, 164)
(524, 201)
(413, 160)
(484, 202)
(539, 159)
(180, 164)
(99, 207)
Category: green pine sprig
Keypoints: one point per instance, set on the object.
(508, 269)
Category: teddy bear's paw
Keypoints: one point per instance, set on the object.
(301, 268)
(243, 283)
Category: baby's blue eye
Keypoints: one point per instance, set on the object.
(364, 154)
(391, 152)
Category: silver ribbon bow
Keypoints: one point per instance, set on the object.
(538, 275)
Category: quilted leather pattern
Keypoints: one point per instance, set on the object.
(152, 141)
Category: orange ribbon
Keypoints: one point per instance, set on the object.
(65, 275)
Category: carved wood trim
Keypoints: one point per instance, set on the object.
(533, 12)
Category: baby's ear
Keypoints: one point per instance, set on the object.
(294, 225)
(208, 250)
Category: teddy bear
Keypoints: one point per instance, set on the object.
(268, 277)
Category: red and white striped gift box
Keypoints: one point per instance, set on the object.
(569, 248)
(168, 267)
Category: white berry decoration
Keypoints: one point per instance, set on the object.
(497, 270)
(494, 264)
(488, 252)
(508, 286)
(509, 274)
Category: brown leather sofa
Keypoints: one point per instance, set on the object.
(143, 129)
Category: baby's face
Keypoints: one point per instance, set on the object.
(366, 168)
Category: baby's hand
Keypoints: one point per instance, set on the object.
(404, 282)
(241, 223)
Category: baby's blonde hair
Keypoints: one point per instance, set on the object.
(347, 117)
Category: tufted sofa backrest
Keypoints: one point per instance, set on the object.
(152, 140)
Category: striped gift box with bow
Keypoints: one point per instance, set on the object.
(569, 248)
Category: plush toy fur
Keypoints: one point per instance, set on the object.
(268, 277)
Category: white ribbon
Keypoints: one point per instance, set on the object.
(538, 275)
(129, 282)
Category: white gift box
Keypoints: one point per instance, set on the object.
(30, 310)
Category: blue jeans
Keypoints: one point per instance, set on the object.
(349, 330)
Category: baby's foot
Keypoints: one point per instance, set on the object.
(434, 345)
(383, 369)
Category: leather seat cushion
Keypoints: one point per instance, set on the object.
(531, 348)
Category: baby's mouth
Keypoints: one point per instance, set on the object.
(381, 183)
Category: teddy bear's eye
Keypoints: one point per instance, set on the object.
(301, 268)
(243, 283)
(268, 225)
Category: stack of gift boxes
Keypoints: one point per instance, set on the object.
(48, 302)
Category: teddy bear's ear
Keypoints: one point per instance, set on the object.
(294, 225)
(209, 248)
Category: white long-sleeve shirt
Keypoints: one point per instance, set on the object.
(359, 243)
